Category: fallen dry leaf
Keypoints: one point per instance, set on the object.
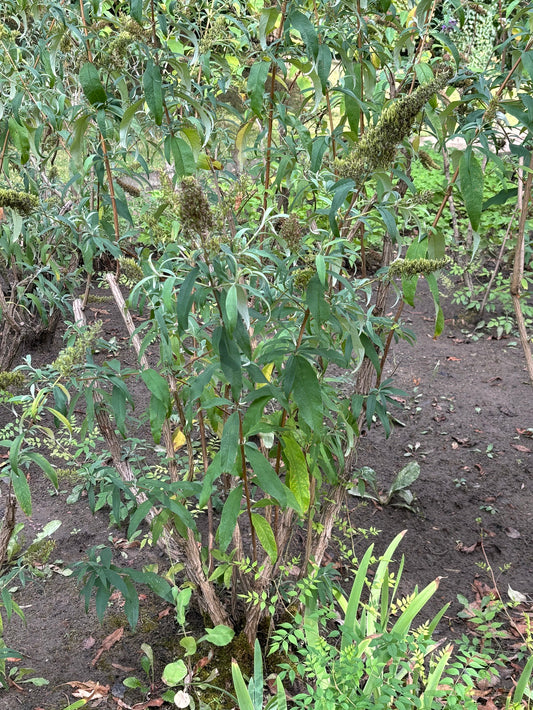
(165, 612)
(522, 432)
(466, 549)
(89, 690)
(107, 643)
(122, 543)
(121, 704)
(511, 532)
(515, 595)
(520, 447)
(155, 703)
(126, 669)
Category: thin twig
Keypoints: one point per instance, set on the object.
(518, 270)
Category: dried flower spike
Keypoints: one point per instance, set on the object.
(22, 202)
(377, 147)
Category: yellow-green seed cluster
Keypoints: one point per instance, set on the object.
(22, 202)
(11, 380)
(213, 35)
(74, 355)
(422, 198)
(303, 276)
(377, 147)
(412, 267)
(492, 108)
(194, 209)
(131, 270)
(478, 32)
(291, 232)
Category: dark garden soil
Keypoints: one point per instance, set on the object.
(467, 419)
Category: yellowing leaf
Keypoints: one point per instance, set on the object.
(411, 21)
(205, 162)
(267, 372)
(178, 439)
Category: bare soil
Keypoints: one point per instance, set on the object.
(465, 418)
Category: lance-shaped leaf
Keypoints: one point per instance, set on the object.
(471, 179)
(297, 471)
(306, 393)
(256, 85)
(153, 91)
(266, 536)
(228, 518)
(91, 85)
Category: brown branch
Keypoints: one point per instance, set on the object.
(518, 269)
(244, 476)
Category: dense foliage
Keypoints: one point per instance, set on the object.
(241, 165)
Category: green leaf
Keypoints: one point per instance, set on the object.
(138, 516)
(432, 683)
(243, 696)
(527, 62)
(174, 673)
(45, 466)
(416, 250)
(257, 681)
(301, 24)
(153, 91)
(306, 393)
(230, 359)
(157, 385)
(78, 704)
(131, 603)
(22, 492)
(409, 474)
(101, 600)
(220, 635)
(266, 476)
(315, 301)
(323, 65)
(256, 86)
(267, 22)
(350, 619)
(136, 10)
(229, 443)
(341, 190)
(232, 311)
(118, 405)
(185, 298)
(439, 314)
(182, 155)
(523, 681)
(158, 413)
(20, 138)
(228, 518)
(91, 85)
(298, 473)
(501, 198)
(266, 536)
(403, 624)
(320, 263)
(189, 644)
(127, 118)
(471, 180)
